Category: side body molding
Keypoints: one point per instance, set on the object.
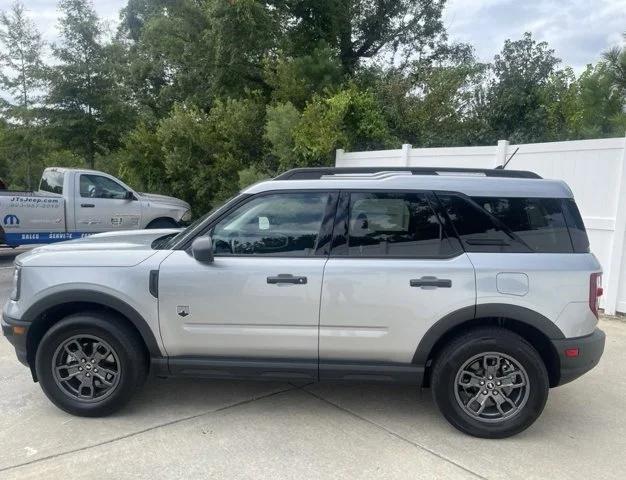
(485, 310)
(102, 299)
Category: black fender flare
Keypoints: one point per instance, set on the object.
(99, 298)
(485, 310)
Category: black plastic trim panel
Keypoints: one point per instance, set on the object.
(590, 348)
(108, 301)
(289, 369)
(486, 310)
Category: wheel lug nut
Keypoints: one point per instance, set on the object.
(490, 377)
(82, 360)
(95, 370)
(80, 369)
(93, 361)
(498, 383)
(87, 374)
(482, 382)
(495, 393)
(484, 392)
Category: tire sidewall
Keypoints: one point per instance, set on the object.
(107, 330)
(522, 352)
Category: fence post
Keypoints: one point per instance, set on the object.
(503, 146)
(339, 157)
(617, 247)
(406, 154)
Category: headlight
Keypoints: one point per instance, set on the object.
(186, 216)
(17, 279)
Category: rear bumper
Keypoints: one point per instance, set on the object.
(18, 340)
(590, 349)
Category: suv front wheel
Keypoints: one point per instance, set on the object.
(90, 364)
(490, 383)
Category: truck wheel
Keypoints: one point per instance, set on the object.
(490, 383)
(90, 364)
(163, 223)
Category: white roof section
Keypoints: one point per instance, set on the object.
(472, 185)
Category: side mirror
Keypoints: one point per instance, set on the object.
(129, 195)
(202, 249)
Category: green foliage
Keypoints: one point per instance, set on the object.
(294, 80)
(22, 70)
(196, 155)
(198, 98)
(616, 67)
(602, 111)
(280, 121)
(391, 30)
(251, 175)
(87, 112)
(515, 108)
(350, 119)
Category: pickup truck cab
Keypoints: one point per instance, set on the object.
(73, 203)
(479, 285)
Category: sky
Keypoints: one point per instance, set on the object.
(578, 30)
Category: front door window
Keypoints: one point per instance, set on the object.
(277, 224)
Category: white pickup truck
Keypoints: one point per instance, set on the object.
(74, 203)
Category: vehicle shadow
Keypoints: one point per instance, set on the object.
(400, 401)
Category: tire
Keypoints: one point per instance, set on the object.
(470, 359)
(119, 364)
(163, 223)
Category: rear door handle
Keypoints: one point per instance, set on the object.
(286, 278)
(431, 282)
(87, 205)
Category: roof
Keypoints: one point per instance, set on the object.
(471, 185)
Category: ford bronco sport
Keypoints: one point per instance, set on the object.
(478, 284)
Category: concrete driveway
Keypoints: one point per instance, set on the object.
(243, 430)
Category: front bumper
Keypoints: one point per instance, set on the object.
(590, 349)
(16, 332)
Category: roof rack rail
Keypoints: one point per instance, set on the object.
(316, 173)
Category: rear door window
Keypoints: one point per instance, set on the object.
(394, 225)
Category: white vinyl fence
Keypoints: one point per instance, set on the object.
(595, 170)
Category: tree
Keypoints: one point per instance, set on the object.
(514, 98)
(87, 112)
(365, 29)
(601, 104)
(350, 119)
(433, 105)
(615, 60)
(20, 59)
(196, 155)
(21, 76)
(281, 119)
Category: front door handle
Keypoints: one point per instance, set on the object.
(431, 282)
(286, 278)
(87, 205)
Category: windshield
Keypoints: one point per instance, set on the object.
(169, 241)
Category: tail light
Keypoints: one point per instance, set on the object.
(595, 292)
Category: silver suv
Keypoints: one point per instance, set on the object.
(478, 284)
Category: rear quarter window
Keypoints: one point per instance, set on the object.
(538, 222)
(509, 224)
(52, 182)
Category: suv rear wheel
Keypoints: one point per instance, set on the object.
(90, 364)
(490, 383)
